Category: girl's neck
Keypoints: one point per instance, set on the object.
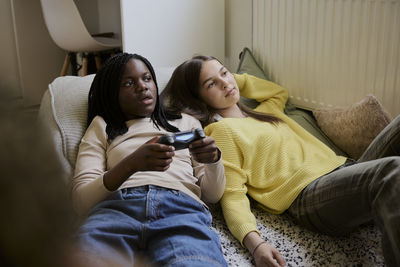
(232, 112)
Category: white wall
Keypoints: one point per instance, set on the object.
(8, 54)
(169, 32)
(191, 30)
(30, 60)
(39, 59)
(238, 30)
(331, 53)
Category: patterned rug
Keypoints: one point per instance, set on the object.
(301, 247)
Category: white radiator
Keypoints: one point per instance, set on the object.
(330, 53)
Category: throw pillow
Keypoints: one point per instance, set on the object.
(248, 64)
(353, 128)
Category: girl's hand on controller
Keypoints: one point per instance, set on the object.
(205, 150)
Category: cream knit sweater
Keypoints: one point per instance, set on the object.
(201, 181)
(270, 163)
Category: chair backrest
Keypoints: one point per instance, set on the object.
(67, 28)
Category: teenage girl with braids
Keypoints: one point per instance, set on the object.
(272, 159)
(141, 196)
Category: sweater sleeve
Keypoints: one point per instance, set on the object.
(235, 203)
(211, 180)
(87, 184)
(211, 177)
(269, 94)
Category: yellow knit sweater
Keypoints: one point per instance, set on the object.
(270, 163)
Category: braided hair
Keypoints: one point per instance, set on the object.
(103, 97)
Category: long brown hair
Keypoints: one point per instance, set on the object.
(181, 94)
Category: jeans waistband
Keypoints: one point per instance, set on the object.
(145, 188)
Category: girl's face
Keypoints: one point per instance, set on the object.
(137, 91)
(218, 88)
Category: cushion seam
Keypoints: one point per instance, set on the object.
(62, 132)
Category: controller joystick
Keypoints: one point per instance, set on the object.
(182, 140)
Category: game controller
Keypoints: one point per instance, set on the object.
(182, 140)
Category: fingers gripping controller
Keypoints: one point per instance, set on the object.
(182, 140)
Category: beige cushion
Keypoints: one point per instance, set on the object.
(353, 128)
(63, 112)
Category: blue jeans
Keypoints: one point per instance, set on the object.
(351, 195)
(167, 226)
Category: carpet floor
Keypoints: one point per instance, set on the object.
(301, 247)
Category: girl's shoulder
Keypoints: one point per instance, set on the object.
(186, 116)
(98, 122)
(233, 125)
(187, 122)
(96, 129)
(223, 125)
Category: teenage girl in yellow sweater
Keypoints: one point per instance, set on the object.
(272, 159)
